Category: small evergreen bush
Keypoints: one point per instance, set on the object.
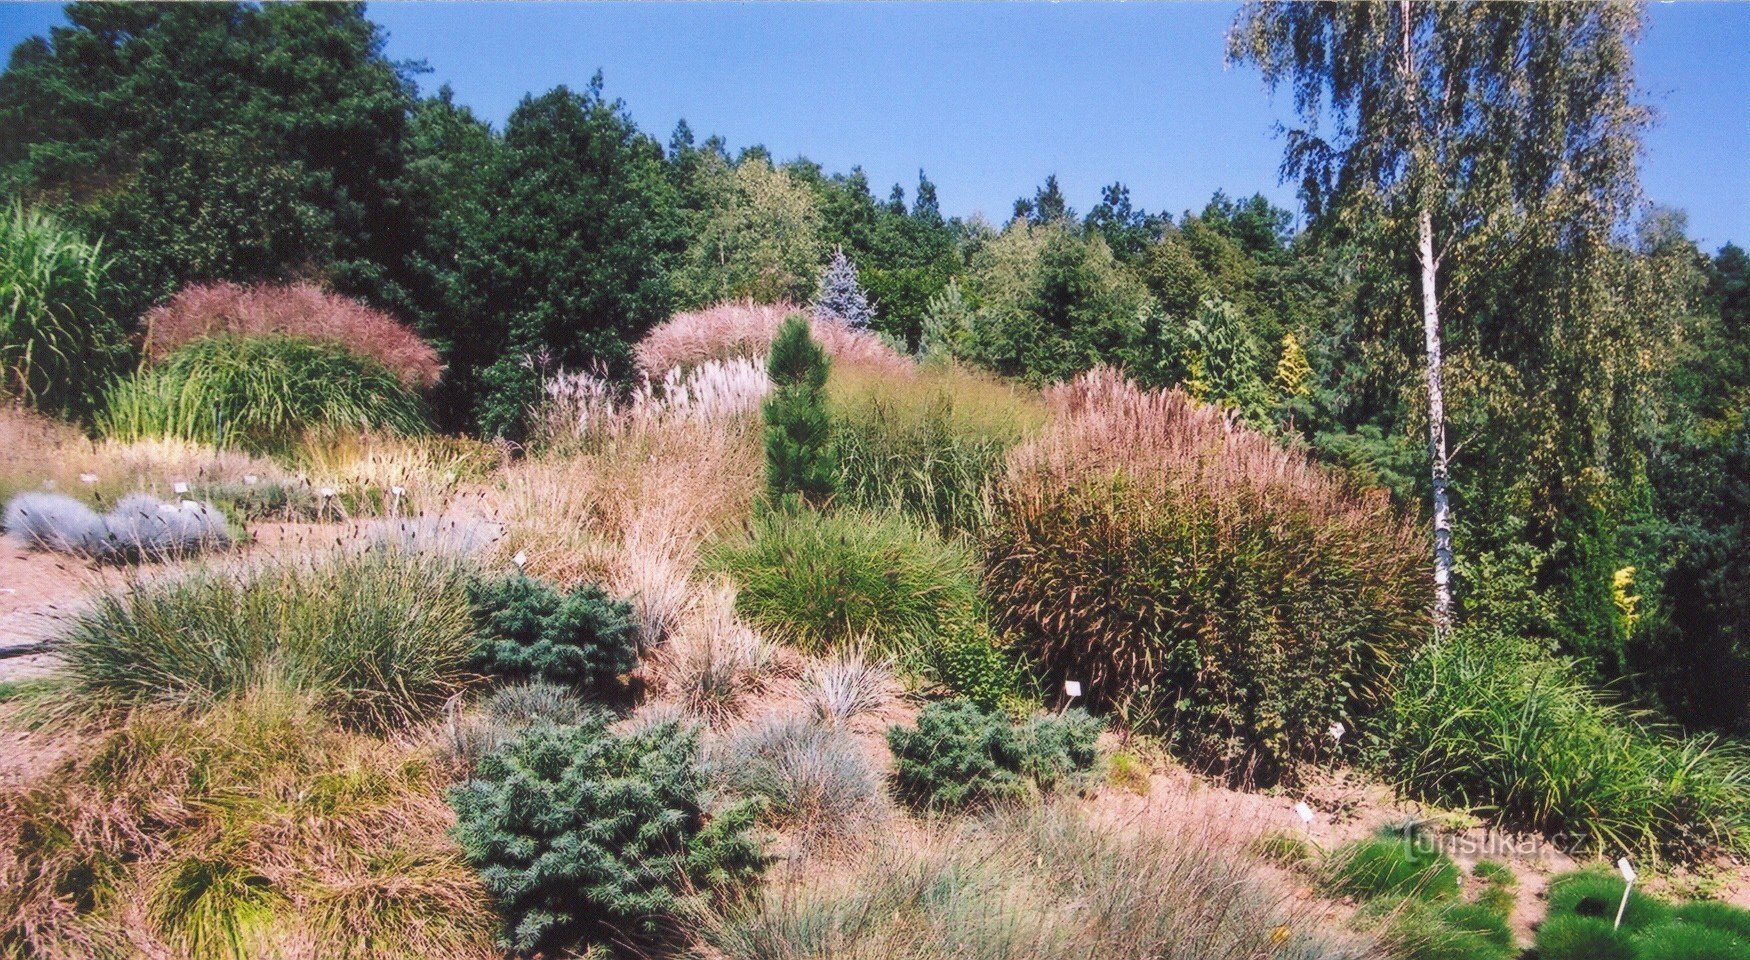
(962, 755)
(259, 393)
(585, 834)
(827, 580)
(840, 298)
(799, 459)
(583, 638)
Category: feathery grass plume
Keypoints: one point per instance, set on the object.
(380, 473)
(840, 298)
(57, 344)
(257, 829)
(505, 714)
(300, 310)
(728, 331)
(260, 394)
(1500, 726)
(844, 685)
(378, 638)
(1039, 883)
(581, 407)
(1184, 568)
(822, 581)
(812, 777)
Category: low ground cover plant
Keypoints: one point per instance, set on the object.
(139, 527)
(1499, 726)
(378, 638)
(824, 580)
(962, 755)
(1581, 923)
(257, 829)
(303, 311)
(1413, 895)
(528, 630)
(1198, 578)
(259, 394)
(585, 834)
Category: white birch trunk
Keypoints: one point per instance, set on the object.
(1436, 425)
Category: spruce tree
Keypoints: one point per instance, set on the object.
(799, 461)
(841, 298)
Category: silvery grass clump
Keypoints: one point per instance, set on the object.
(841, 297)
(505, 714)
(810, 776)
(435, 533)
(140, 526)
(845, 685)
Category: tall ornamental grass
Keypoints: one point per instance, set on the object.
(300, 310)
(260, 394)
(378, 638)
(930, 445)
(1498, 727)
(58, 346)
(729, 331)
(1039, 883)
(1199, 579)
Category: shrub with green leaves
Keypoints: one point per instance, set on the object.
(799, 460)
(961, 755)
(824, 580)
(971, 663)
(587, 834)
(528, 630)
(259, 393)
(1496, 724)
(58, 345)
(1187, 571)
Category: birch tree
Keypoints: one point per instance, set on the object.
(1467, 130)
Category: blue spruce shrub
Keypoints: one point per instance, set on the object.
(840, 298)
(583, 834)
(530, 631)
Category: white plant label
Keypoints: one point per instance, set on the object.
(398, 491)
(1337, 730)
(520, 558)
(1628, 876)
(250, 479)
(1072, 688)
(88, 478)
(327, 492)
(1627, 869)
(179, 487)
(1304, 812)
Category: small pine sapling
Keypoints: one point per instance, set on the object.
(799, 459)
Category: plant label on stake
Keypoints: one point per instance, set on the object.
(520, 559)
(399, 492)
(1336, 730)
(327, 493)
(1072, 688)
(88, 478)
(1305, 814)
(179, 487)
(250, 479)
(1628, 876)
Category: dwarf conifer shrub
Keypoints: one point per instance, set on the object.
(962, 755)
(528, 630)
(799, 458)
(584, 834)
(1184, 568)
(258, 393)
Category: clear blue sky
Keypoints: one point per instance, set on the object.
(989, 98)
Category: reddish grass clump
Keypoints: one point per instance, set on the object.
(301, 310)
(1198, 578)
(729, 331)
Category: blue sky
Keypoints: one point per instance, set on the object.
(991, 97)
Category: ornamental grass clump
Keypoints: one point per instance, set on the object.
(58, 345)
(1197, 578)
(1581, 924)
(378, 638)
(261, 394)
(303, 311)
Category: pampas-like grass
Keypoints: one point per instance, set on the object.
(140, 526)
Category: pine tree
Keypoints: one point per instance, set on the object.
(841, 298)
(798, 459)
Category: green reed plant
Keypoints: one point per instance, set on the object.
(826, 580)
(58, 346)
(379, 638)
(1498, 726)
(259, 393)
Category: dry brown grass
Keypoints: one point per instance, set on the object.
(746, 329)
(301, 310)
(254, 830)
